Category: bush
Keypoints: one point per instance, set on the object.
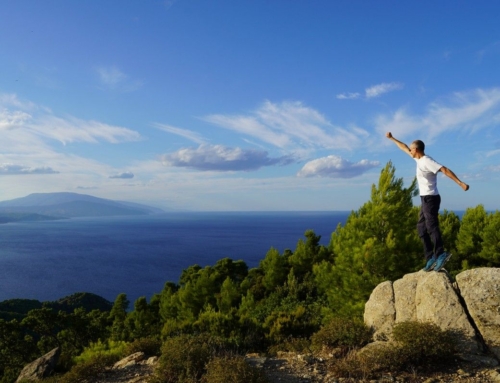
(89, 370)
(112, 349)
(423, 343)
(291, 345)
(232, 369)
(149, 346)
(342, 333)
(416, 346)
(184, 358)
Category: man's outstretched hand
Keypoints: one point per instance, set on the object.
(388, 135)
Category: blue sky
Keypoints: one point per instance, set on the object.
(247, 105)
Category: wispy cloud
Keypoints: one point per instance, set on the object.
(72, 129)
(125, 175)
(348, 96)
(113, 78)
(335, 167)
(189, 134)
(462, 111)
(380, 89)
(222, 158)
(290, 125)
(11, 169)
(489, 50)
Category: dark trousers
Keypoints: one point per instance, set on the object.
(428, 226)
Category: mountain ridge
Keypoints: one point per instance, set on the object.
(68, 205)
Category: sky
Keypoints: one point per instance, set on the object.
(249, 105)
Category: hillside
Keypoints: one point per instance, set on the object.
(40, 206)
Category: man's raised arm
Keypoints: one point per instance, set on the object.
(400, 145)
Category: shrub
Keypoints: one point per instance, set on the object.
(149, 346)
(89, 370)
(425, 342)
(343, 333)
(291, 345)
(416, 346)
(184, 358)
(112, 349)
(232, 369)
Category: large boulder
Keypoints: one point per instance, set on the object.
(380, 311)
(40, 368)
(480, 289)
(432, 297)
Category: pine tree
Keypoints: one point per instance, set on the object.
(377, 243)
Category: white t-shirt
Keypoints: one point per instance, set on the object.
(427, 170)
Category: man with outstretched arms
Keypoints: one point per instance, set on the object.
(428, 220)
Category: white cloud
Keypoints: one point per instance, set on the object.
(335, 167)
(222, 158)
(72, 129)
(114, 79)
(462, 111)
(348, 96)
(380, 89)
(125, 175)
(111, 76)
(290, 125)
(11, 169)
(189, 134)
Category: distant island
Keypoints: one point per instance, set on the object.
(50, 206)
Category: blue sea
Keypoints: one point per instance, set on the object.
(136, 255)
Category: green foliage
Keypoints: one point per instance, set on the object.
(149, 346)
(185, 357)
(342, 333)
(478, 241)
(490, 253)
(108, 349)
(275, 269)
(17, 308)
(232, 369)
(16, 349)
(117, 317)
(90, 370)
(307, 254)
(87, 301)
(144, 321)
(377, 243)
(417, 346)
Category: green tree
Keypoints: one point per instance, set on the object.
(378, 242)
(307, 254)
(117, 317)
(275, 268)
(229, 296)
(470, 237)
(143, 322)
(449, 224)
(490, 251)
(16, 348)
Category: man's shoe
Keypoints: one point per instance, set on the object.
(441, 261)
(430, 264)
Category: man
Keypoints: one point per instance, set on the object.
(428, 220)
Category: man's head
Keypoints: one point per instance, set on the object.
(417, 148)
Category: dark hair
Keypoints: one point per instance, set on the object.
(419, 145)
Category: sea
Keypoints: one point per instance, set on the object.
(49, 260)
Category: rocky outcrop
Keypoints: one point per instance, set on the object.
(471, 307)
(480, 289)
(40, 368)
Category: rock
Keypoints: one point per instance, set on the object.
(380, 311)
(40, 368)
(437, 302)
(480, 289)
(130, 360)
(431, 297)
